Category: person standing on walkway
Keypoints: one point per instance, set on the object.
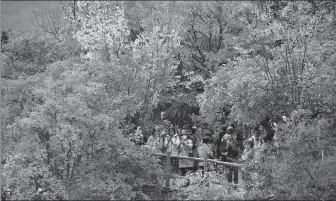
(232, 156)
(223, 145)
(204, 150)
(172, 144)
(185, 150)
(256, 139)
(247, 157)
(219, 133)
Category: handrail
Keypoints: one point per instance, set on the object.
(200, 159)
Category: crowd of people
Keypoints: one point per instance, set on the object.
(225, 144)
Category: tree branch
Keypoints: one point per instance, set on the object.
(48, 21)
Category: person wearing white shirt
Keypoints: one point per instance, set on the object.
(172, 144)
(247, 157)
(257, 141)
(185, 150)
(275, 137)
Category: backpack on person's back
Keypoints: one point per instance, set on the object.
(224, 147)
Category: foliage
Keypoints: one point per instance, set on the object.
(212, 187)
(4, 37)
(72, 128)
(70, 102)
(30, 53)
(268, 78)
(68, 134)
(303, 165)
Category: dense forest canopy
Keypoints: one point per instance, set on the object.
(72, 95)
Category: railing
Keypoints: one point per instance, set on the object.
(205, 160)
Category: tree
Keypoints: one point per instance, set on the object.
(48, 20)
(68, 102)
(66, 135)
(140, 69)
(4, 37)
(71, 132)
(69, 9)
(303, 165)
(268, 78)
(31, 52)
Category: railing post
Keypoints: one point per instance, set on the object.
(205, 166)
(168, 170)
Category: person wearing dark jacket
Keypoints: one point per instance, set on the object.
(217, 142)
(237, 143)
(233, 152)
